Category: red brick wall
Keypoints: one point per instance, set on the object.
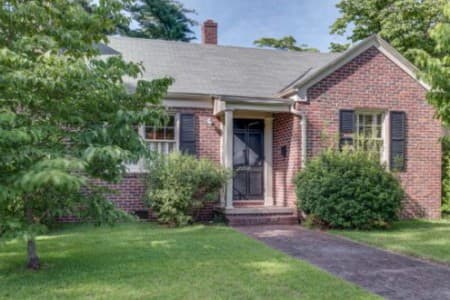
(286, 133)
(373, 81)
(128, 193)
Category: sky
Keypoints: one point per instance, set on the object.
(243, 21)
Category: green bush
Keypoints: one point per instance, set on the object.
(178, 185)
(348, 189)
(446, 175)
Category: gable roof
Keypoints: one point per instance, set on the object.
(303, 82)
(218, 70)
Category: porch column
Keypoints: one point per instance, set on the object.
(268, 190)
(228, 155)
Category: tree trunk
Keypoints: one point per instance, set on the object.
(33, 260)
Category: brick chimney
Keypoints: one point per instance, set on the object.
(209, 32)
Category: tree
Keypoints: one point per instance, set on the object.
(284, 43)
(405, 24)
(66, 116)
(436, 66)
(336, 47)
(162, 19)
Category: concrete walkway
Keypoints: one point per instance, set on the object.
(384, 273)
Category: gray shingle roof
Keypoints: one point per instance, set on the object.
(219, 70)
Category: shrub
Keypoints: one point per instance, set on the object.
(178, 185)
(348, 189)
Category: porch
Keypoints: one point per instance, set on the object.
(251, 197)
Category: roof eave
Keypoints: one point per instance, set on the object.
(229, 98)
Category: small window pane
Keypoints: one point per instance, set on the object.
(160, 134)
(378, 132)
(170, 134)
(171, 121)
(149, 133)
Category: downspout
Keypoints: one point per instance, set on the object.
(304, 138)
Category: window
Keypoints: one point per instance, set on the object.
(369, 131)
(384, 132)
(162, 138)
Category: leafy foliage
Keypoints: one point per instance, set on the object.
(178, 184)
(436, 66)
(403, 23)
(284, 43)
(66, 116)
(347, 189)
(336, 47)
(162, 19)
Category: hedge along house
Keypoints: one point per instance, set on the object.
(264, 113)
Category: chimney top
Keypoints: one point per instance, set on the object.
(209, 32)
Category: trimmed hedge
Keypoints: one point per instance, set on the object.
(348, 189)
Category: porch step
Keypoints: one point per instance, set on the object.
(261, 220)
(267, 215)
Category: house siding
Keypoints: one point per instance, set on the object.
(373, 81)
(286, 133)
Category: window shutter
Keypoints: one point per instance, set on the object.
(398, 140)
(346, 127)
(187, 134)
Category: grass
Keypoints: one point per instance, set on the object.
(143, 261)
(420, 238)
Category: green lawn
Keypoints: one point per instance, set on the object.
(142, 261)
(426, 239)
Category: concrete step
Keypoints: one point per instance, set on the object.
(264, 210)
(249, 220)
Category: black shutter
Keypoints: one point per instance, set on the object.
(346, 127)
(398, 140)
(187, 134)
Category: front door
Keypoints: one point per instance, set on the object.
(248, 159)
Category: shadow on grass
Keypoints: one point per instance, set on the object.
(146, 261)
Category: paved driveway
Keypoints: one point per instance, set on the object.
(390, 275)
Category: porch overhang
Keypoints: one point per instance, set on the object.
(238, 103)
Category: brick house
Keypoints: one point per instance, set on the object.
(264, 113)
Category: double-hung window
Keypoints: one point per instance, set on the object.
(382, 132)
(369, 132)
(162, 138)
